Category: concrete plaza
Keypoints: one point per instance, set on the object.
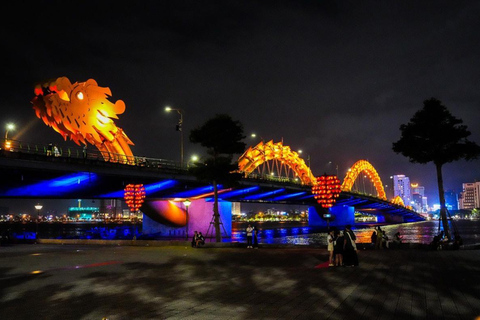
(178, 282)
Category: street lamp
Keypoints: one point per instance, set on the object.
(39, 207)
(187, 204)
(178, 128)
(9, 127)
(308, 157)
(193, 159)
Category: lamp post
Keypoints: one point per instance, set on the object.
(193, 159)
(187, 204)
(308, 157)
(9, 127)
(179, 128)
(39, 207)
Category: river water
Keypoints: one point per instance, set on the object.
(296, 233)
(301, 234)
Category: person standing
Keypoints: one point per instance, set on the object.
(350, 257)
(56, 153)
(255, 237)
(338, 248)
(194, 239)
(373, 238)
(379, 240)
(330, 245)
(249, 236)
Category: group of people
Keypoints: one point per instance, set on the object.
(252, 237)
(53, 149)
(342, 247)
(442, 241)
(380, 239)
(198, 239)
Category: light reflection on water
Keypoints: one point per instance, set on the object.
(415, 232)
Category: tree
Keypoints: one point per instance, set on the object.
(222, 137)
(435, 135)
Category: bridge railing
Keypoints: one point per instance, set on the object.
(81, 153)
(274, 178)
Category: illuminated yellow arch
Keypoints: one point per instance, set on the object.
(399, 201)
(263, 152)
(354, 172)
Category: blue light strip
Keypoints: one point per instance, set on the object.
(235, 193)
(149, 189)
(56, 186)
(263, 195)
(194, 192)
(288, 196)
(159, 186)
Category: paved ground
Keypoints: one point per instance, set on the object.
(119, 282)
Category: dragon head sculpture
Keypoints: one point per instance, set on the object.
(82, 112)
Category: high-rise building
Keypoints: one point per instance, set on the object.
(418, 198)
(470, 196)
(401, 187)
(451, 199)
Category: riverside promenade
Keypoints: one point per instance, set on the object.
(46, 281)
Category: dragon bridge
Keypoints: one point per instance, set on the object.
(359, 167)
(82, 112)
(277, 157)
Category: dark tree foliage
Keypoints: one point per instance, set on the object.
(435, 135)
(222, 136)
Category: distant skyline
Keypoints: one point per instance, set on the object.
(333, 78)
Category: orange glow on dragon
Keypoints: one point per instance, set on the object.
(82, 112)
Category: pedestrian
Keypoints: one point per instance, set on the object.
(350, 257)
(373, 238)
(49, 149)
(397, 240)
(194, 239)
(338, 248)
(56, 153)
(379, 240)
(200, 240)
(249, 236)
(330, 245)
(255, 237)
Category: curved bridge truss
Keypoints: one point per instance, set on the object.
(359, 167)
(284, 160)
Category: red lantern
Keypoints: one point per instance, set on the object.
(134, 195)
(327, 190)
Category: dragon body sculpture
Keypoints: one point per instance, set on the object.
(82, 112)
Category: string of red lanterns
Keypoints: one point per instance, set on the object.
(327, 190)
(134, 194)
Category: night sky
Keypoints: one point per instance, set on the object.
(333, 78)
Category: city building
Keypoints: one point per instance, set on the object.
(401, 187)
(83, 213)
(451, 200)
(418, 198)
(469, 198)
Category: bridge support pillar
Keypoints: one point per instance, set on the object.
(340, 216)
(390, 218)
(165, 219)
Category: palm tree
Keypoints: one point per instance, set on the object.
(222, 137)
(435, 135)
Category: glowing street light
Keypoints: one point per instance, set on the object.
(300, 151)
(187, 204)
(9, 127)
(38, 207)
(193, 159)
(178, 128)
